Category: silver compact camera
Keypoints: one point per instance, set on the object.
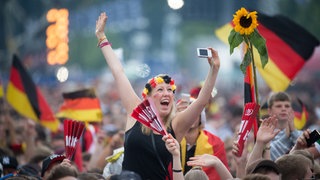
(204, 52)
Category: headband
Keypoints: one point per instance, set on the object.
(152, 83)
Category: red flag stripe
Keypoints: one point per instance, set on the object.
(80, 104)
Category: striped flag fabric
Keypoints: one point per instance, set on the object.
(249, 90)
(301, 114)
(249, 94)
(26, 98)
(81, 105)
(289, 46)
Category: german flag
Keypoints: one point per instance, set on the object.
(289, 46)
(82, 105)
(26, 98)
(249, 93)
(206, 143)
(301, 114)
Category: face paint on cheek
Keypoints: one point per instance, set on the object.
(156, 95)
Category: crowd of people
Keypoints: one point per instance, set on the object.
(200, 140)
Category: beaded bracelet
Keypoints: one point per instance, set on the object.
(100, 40)
(105, 44)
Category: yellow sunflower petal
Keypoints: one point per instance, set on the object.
(243, 26)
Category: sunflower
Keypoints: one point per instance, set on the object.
(245, 22)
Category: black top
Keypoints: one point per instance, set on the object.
(141, 157)
(190, 153)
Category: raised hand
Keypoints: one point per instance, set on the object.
(214, 61)
(100, 25)
(204, 160)
(267, 130)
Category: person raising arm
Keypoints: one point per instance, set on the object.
(145, 152)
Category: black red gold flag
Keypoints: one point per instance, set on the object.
(249, 94)
(26, 98)
(301, 114)
(81, 105)
(289, 46)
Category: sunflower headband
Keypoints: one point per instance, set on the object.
(152, 83)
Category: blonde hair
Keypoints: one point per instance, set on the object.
(196, 173)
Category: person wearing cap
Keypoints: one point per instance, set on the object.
(198, 141)
(50, 162)
(9, 164)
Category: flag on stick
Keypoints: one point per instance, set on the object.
(249, 95)
(81, 105)
(289, 46)
(26, 98)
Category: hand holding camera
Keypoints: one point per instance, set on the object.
(204, 52)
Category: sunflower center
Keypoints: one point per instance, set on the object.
(245, 22)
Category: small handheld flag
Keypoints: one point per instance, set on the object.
(146, 114)
(72, 133)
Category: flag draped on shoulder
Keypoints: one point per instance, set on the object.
(289, 46)
(82, 105)
(26, 98)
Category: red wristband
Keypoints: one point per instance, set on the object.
(104, 44)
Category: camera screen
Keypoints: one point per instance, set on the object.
(203, 52)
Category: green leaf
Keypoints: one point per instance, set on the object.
(260, 44)
(235, 39)
(245, 62)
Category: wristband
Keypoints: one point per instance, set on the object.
(104, 44)
(100, 40)
(177, 170)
